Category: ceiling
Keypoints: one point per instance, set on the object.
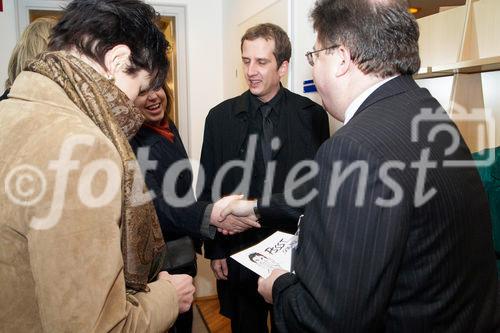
(429, 7)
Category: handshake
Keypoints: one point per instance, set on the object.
(233, 214)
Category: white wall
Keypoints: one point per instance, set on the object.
(303, 39)
(8, 38)
(491, 82)
(204, 52)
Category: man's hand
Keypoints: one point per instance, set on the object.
(265, 287)
(235, 224)
(231, 224)
(219, 267)
(184, 287)
(242, 208)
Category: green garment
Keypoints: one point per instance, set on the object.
(490, 177)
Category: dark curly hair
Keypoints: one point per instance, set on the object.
(93, 27)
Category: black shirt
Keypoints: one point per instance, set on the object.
(255, 127)
(275, 103)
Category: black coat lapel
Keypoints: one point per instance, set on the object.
(239, 130)
(393, 87)
(283, 124)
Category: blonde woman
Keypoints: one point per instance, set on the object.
(33, 41)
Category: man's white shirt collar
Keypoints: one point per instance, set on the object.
(358, 101)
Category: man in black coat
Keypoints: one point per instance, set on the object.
(268, 129)
(397, 239)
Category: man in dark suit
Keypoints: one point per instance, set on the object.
(268, 129)
(395, 240)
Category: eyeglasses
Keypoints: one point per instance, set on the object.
(309, 55)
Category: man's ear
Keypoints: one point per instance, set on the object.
(117, 59)
(283, 69)
(344, 56)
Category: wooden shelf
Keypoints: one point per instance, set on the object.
(461, 44)
(462, 67)
(471, 66)
(430, 74)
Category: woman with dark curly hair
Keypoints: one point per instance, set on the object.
(80, 250)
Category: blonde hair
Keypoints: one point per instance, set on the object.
(33, 41)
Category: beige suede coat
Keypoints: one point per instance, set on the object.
(61, 268)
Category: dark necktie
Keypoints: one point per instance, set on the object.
(267, 132)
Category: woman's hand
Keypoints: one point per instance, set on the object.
(183, 284)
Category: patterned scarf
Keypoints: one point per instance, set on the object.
(110, 109)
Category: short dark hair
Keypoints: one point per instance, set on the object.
(255, 254)
(93, 27)
(381, 35)
(282, 46)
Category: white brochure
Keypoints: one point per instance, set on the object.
(273, 252)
